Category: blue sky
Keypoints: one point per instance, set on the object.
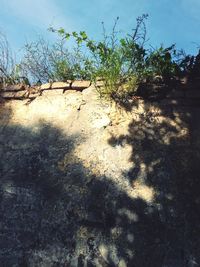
(170, 21)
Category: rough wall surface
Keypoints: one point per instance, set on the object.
(84, 184)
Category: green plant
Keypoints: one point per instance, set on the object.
(190, 65)
(10, 72)
(162, 62)
(118, 62)
(44, 62)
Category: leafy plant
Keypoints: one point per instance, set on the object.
(190, 65)
(44, 62)
(121, 62)
(162, 62)
(10, 72)
(118, 62)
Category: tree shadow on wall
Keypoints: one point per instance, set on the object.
(56, 212)
(165, 155)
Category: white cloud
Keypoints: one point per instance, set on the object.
(40, 13)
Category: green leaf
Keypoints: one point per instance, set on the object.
(83, 35)
(67, 36)
(75, 34)
(79, 40)
(61, 31)
(123, 42)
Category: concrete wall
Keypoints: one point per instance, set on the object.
(86, 183)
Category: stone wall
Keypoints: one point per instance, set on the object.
(87, 183)
(184, 91)
(22, 91)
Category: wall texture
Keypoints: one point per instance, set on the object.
(86, 183)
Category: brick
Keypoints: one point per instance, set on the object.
(14, 88)
(45, 86)
(80, 85)
(53, 92)
(13, 95)
(61, 85)
(32, 96)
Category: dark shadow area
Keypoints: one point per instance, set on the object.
(165, 155)
(56, 212)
